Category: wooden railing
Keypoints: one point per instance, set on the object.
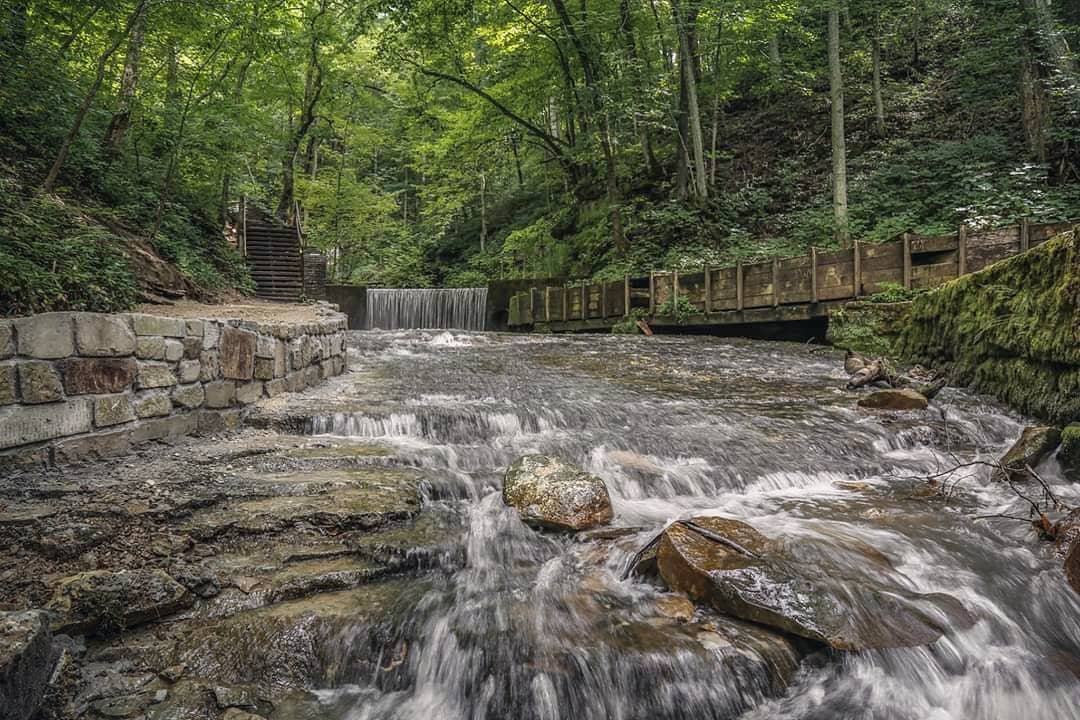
(820, 276)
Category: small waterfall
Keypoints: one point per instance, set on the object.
(446, 308)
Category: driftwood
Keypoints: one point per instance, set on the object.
(865, 371)
(644, 327)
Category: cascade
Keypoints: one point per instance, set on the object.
(446, 308)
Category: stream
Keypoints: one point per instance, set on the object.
(516, 623)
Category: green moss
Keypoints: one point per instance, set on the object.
(1069, 453)
(1011, 330)
(868, 328)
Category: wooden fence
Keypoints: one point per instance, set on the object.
(818, 278)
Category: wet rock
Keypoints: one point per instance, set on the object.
(102, 600)
(197, 579)
(551, 493)
(238, 714)
(1072, 565)
(235, 697)
(893, 399)
(173, 673)
(26, 663)
(676, 607)
(1035, 444)
(794, 587)
(126, 706)
(1069, 454)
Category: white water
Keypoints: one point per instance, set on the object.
(429, 308)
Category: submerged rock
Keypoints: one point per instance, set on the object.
(551, 493)
(893, 399)
(1072, 566)
(792, 586)
(26, 662)
(1034, 445)
(102, 600)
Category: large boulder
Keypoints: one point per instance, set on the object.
(101, 601)
(1069, 454)
(1034, 445)
(808, 589)
(26, 662)
(551, 493)
(893, 399)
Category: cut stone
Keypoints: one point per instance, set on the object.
(220, 394)
(154, 375)
(9, 389)
(210, 365)
(48, 336)
(153, 403)
(83, 376)
(154, 325)
(113, 410)
(189, 371)
(174, 350)
(22, 425)
(189, 396)
(264, 368)
(99, 335)
(237, 353)
(7, 339)
(296, 381)
(275, 387)
(194, 328)
(264, 347)
(249, 393)
(150, 348)
(26, 663)
(192, 347)
(211, 335)
(166, 427)
(39, 382)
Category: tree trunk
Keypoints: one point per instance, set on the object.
(879, 103)
(627, 28)
(1050, 40)
(839, 150)
(80, 116)
(776, 65)
(483, 211)
(1034, 114)
(121, 119)
(686, 22)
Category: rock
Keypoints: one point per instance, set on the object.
(1072, 566)
(153, 403)
(853, 362)
(174, 350)
(113, 410)
(892, 399)
(801, 588)
(1069, 454)
(551, 493)
(235, 697)
(238, 714)
(126, 706)
(48, 336)
(155, 375)
(1035, 444)
(677, 607)
(7, 339)
(173, 673)
(249, 393)
(100, 335)
(188, 396)
(220, 394)
(26, 663)
(83, 376)
(237, 353)
(189, 371)
(150, 348)
(9, 388)
(194, 328)
(27, 424)
(155, 325)
(100, 601)
(39, 382)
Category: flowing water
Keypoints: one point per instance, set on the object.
(521, 624)
(448, 308)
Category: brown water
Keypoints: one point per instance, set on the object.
(518, 624)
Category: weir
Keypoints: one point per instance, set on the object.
(427, 308)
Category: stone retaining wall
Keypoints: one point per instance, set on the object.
(78, 384)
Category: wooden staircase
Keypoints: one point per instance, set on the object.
(274, 257)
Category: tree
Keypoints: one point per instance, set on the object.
(839, 147)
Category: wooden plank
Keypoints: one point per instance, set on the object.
(603, 299)
(532, 303)
(928, 276)
(907, 261)
(813, 275)
(652, 292)
(626, 294)
(584, 303)
(739, 280)
(547, 304)
(856, 261)
(565, 303)
(962, 250)
(776, 282)
(708, 290)
(932, 243)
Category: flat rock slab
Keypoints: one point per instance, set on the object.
(102, 601)
(903, 399)
(796, 588)
(26, 662)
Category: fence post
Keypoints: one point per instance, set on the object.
(907, 261)
(1025, 234)
(674, 291)
(813, 275)
(857, 260)
(776, 282)
(961, 250)
(652, 292)
(708, 290)
(565, 302)
(584, 301)
(626, 295)
(739, 285)
(547, 305)
(603, 299)
(532, 304)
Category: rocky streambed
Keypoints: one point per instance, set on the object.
(739, 539)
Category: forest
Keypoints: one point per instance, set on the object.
(452, 142)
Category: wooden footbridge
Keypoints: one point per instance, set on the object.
(775, 290)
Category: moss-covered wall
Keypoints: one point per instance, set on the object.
(868, 328)
(1011, 330)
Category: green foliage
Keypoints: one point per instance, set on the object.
(629, 324)
(679, 308)
(890, 292)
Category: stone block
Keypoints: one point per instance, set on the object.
(326, 369)
(156, 325)
(314, 376)
(39, 382)
(249, 393)
(7, 339)
(92, 446)
(84, 376)
(9, 388)
(153, 403)
(27, 658)
(295, 381)
(150, 348)
(188, 371)
(280, 363)
(174, 350)
(327, 346)
(275, 387)
(155, 375)
(48, 336)
(166, 427)
(27, 424)
(211, 335)
(218, 421)
(264, 347)
(264, 368)
(237, 353)
(220, 394)
(189, 396)
(192, 348)
(113, 410)
(194, 328)
(298, 357)
(209, 365)
(98, 335)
